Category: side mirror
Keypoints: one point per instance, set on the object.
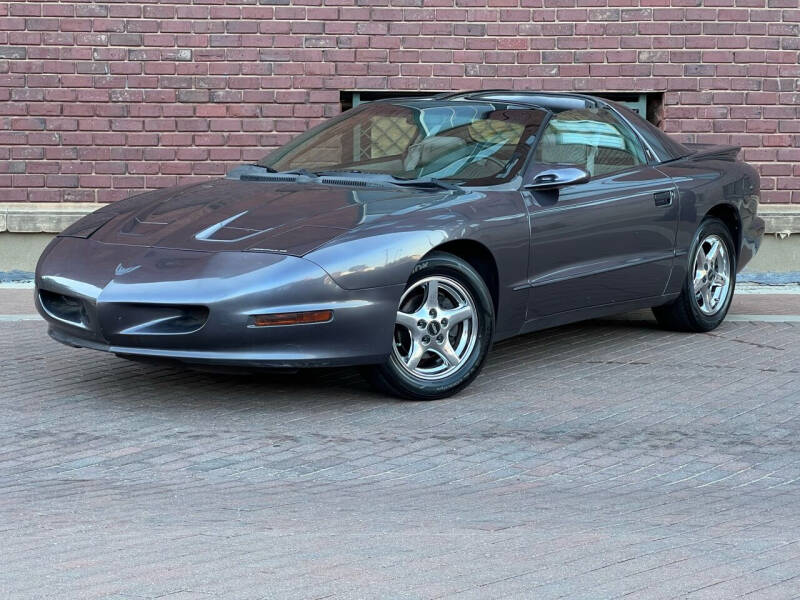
(557, 177)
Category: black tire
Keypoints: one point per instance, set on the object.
(392, 378)
(684, 313)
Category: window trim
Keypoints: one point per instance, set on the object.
(650, 154)
(642, 146)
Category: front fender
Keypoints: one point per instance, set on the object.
(385, 253)
(380, 259)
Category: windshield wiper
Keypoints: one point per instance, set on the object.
(265, 167)
(427, 182)
(374, 178)
(300, 171)
(306, 172)
(342, 172)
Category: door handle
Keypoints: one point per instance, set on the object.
(663, 198)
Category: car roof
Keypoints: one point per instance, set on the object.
(555, 102)
(661, 146)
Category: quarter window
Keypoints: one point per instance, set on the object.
(593, 139)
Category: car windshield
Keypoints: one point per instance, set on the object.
(475, 143)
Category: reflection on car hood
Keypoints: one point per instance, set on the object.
(227, 215)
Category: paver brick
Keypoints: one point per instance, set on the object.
(606, 459)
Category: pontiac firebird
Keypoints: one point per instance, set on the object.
(407, 236)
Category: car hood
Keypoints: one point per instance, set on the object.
(232, 215)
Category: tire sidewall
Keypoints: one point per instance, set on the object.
(446, 265)
(708, 227)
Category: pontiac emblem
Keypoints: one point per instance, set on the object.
(120, 270)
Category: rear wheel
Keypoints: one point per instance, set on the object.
(709, 284)
(442, 334)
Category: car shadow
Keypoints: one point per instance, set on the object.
(207, 386)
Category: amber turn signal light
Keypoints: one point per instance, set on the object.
(292, 318)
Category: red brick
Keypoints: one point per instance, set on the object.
(130, 84)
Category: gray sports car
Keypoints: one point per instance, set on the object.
(407, 236)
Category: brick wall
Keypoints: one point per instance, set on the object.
(99, 100)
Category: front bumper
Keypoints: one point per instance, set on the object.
(197, 307)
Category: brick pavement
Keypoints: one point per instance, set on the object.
(601, 460)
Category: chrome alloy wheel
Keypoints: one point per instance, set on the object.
(436, 328)
(712, 275)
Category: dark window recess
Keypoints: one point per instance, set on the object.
(351, 99)
(646, 104)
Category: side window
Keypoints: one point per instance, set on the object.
(593, 139)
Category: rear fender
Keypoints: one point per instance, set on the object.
(706, 185)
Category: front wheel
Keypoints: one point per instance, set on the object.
(708, 287)
(442, 334)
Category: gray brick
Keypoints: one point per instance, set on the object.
(13, 52)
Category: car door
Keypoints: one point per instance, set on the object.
(606, 241)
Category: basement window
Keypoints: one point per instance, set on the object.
(646, 104)
(351, 99)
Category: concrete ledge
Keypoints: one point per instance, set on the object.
(47, 217)
(42, 217)
(781, 219)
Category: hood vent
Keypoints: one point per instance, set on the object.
(220, 232)
(275, 178)
(348, 182)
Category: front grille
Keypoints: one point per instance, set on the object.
(65, 308)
